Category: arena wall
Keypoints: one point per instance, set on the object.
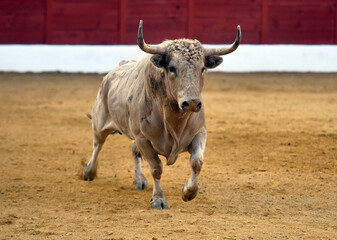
(211, 21)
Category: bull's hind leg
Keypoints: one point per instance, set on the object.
(139, 180)
(196, 148)
(101, 127)
(90, 169)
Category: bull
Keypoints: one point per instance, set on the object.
(157, 103)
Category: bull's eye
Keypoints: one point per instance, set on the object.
(203, 70)
(173, 70)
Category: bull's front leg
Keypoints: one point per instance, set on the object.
(196, 149)
(158, 200)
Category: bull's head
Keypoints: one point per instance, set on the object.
(184, 62)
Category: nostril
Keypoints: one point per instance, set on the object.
(199, 106)
(185, 105)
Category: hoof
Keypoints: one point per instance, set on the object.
(189, 193)
(88, 175)
(159, 203)
(140, 183)
(86, 178)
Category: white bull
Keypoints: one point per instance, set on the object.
(157, 103)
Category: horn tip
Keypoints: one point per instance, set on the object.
(140, 39)
(140, 24)
(239, 33)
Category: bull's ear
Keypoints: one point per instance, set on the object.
(212, 61)
(159, 60)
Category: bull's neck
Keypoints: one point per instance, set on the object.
(175, 122)
(173, 117)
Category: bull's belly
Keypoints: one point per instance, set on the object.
(121, 126)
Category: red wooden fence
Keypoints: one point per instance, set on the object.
(210, 21)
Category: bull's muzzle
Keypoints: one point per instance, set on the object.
(191, 105)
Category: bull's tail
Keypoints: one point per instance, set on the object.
(88, 115)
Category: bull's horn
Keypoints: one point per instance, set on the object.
(146, 48)
(225, 50)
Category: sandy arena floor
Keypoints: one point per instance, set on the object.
(269, 171)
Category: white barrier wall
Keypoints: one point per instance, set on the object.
(101, 59)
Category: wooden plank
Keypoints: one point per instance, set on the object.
(301, 38)
(83, 1)
(48, 22)
(21, 37)
(86, 23)
(122, 21)
(301, 2)
(223, 11)
(215, 20)
(227, 24)
(20, 22)
(162, 20)
(85, 8)
(308, 24)
(221, 32)
(153, 2)
(264, 23)
(227, 37)
(211, 21)
(226, 3)
(319, 25)
(190, 19)
(302, 12)
(85, 37)
(154, 32)
(15, 7)
(157, 9)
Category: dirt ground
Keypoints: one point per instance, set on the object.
(269, 170)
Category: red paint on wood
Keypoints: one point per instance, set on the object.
(335, 21)
(85, 37)
(190, 25)
(156, 9)
(210, 21)
(162, 20)
(48, 21)
(21, 37)
(17, 7)
(82, 8)
(216, 22)
(122, 25)
(301, 2)
(86, 23)
(297, 23)
(155, 30)
(20, 22)
(264, 29)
